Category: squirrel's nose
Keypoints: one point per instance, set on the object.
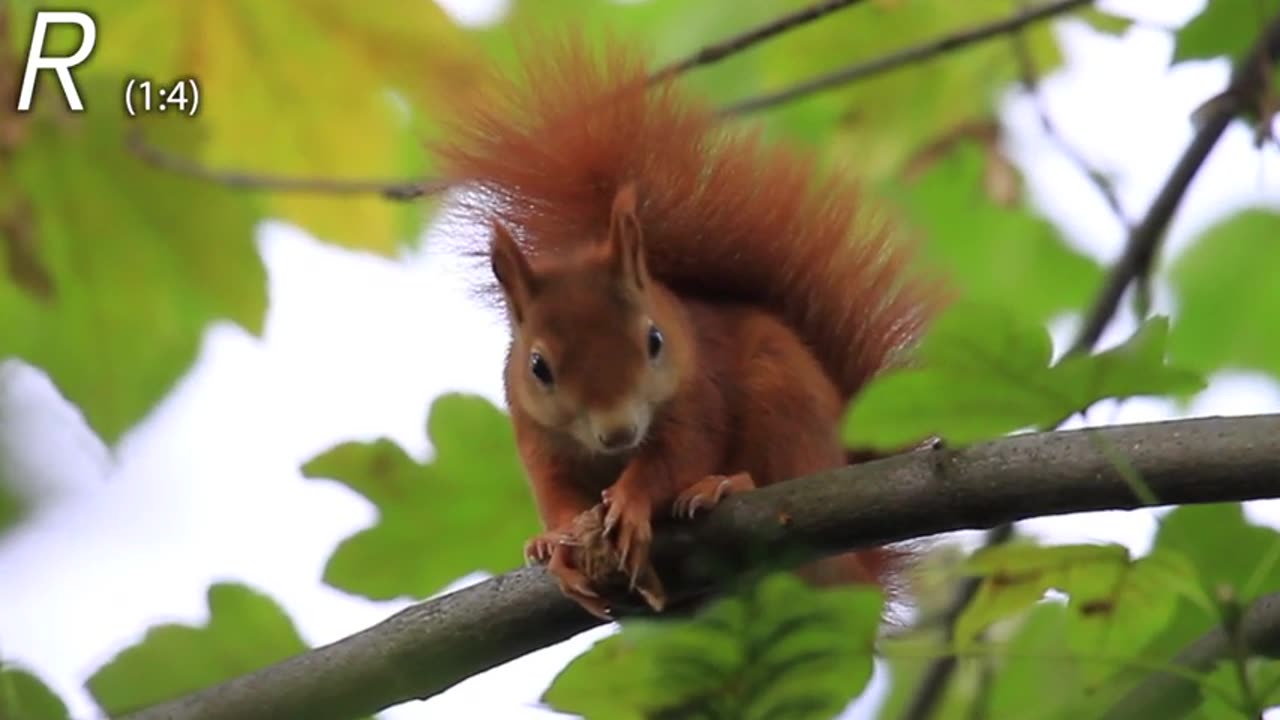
(618, 438)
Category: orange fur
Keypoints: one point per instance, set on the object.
(777, 290)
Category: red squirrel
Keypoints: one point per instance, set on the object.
(691, 308)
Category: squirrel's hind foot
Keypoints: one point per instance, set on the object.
(575, 584)
(709, 491)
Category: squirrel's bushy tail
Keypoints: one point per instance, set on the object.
(726, 215)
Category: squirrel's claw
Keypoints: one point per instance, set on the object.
(575, 585)
(630, 516)
(538, 550)
(708, 492)
(649, 587)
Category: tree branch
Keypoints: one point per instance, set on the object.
(1166, 695)
(137, 143)
(426, 649)
(908, 56)
(758, 34)
(1247, 81)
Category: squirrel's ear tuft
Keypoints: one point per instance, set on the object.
(626, 241)
(512, 270)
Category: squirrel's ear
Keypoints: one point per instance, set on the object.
(626, 242)
(512, 270)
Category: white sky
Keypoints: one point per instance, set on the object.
(208, 487)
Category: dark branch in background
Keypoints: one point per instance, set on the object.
(908, 56)
(390, 189)
(1247, 82)
(1167, 695)
(938, 674)
(1030, 78)
(1135, 264)
(758, 34)
(427, 648)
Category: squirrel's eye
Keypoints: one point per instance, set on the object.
(540, 368)
(655, 341)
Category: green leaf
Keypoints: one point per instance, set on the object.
(1224, 698)
(1117, 605)
(12, 506)
(1219, 324)
(469, 509)
(1035, 678)
(1223, 27)
(780, 649)
(23, 696)
(994, 253)
(1103, 21)
(246, 631)
(1016, 576)
(1118, 611)
(312, 89)
(112, 270)
(1224, 548)
(984, 372)
(1022, 674)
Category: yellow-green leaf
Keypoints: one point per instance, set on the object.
(23, 696)
(112, 269)
(1117, 605)
(319, 89)
(1015, 576)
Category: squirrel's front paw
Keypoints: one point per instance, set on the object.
(628, 522)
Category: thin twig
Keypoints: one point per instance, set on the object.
(1144, 240)
(938, 674)
(908, 56)
(390, 189)
(1030, 78)
(758, 34)
(1231, 622)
